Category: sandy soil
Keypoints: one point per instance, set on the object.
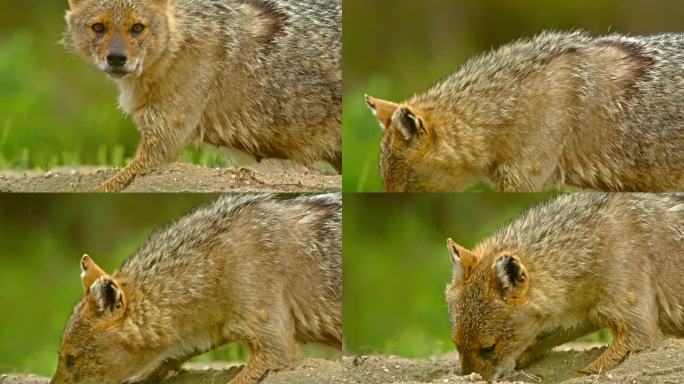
(662, 365)
(177, 177)
(307, 371)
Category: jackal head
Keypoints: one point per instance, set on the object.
(120, 37)
(416, 156)
(492, 323)
(95, 346)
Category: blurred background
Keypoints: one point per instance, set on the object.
(396, 266)
(396, 48)
(55, 109)
(43, 238)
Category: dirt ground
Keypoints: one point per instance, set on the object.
(307, 371)
(177, 177)
(662, 365)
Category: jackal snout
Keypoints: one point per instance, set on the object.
(116, 61)
(118, 37)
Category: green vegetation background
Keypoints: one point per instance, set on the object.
(55, 109)
(43, 239)
(395, 48)
(396, 265)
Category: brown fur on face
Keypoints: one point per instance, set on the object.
(119, 34)
(93, 349)
(414, 158)
(489, 332)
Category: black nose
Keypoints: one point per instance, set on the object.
(466, 368)
(116, 59)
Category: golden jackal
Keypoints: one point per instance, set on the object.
(261, 76)
(602, 113)
(258, 269)
(564, 269)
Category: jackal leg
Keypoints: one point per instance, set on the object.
(152, 152)
(623, 344)
(171, 365)
(547, 342)
(524, 175)
(165, 131)
(336, 162)
(636, 331)
(149, 156)
(164, 370)
(268, 353)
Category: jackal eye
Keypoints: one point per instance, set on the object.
(70, 362)
(486, 353)
(137, 28)
(98, 28)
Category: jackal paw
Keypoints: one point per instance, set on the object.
(528, 357)
(109, 186)
(604, 363)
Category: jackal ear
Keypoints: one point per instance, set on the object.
(382, 109)
(408, 123)
(509, 276)
(462, 261)
(89, 272)
(108, 297)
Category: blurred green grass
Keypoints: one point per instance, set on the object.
(393, 49)
(55, 109)
(43, 238)
(396, 266)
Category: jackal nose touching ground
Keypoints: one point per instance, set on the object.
(258, 269)
(602, 113)
(565, 269)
